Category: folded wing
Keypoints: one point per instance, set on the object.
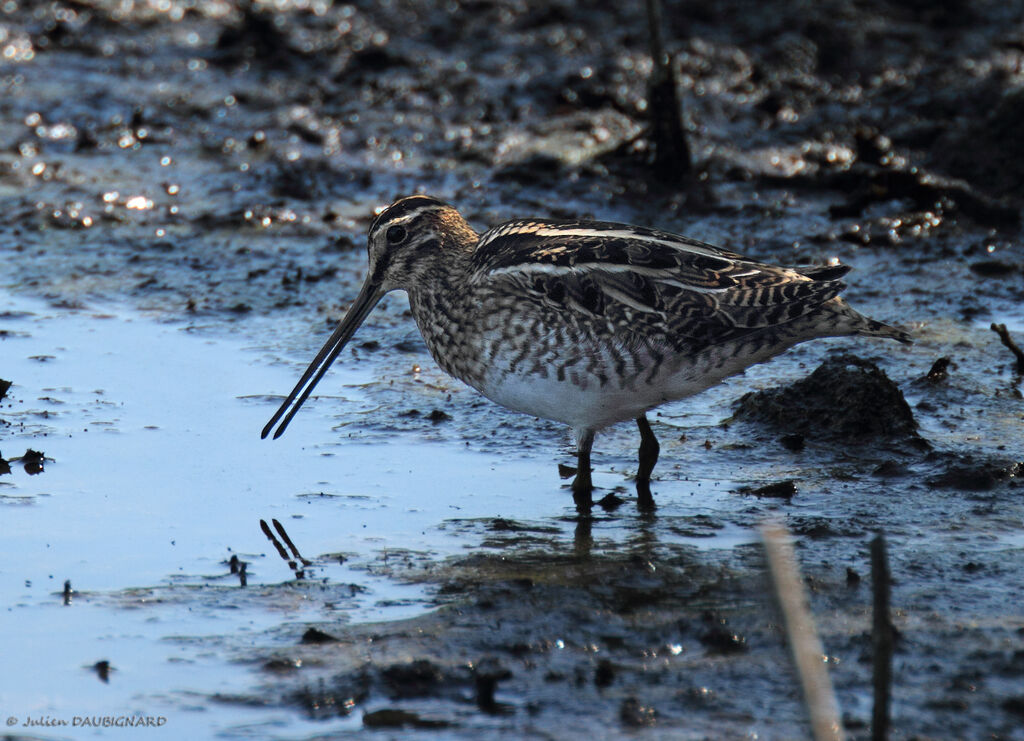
(657, 286)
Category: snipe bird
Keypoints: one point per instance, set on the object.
(588, 323)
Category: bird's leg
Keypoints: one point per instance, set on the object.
(581, 486)
(649, 450)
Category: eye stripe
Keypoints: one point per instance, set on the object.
(404, 210)
(382, 267)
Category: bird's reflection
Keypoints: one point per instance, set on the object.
(583, 533)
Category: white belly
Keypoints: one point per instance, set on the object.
(593, 405)
(562, 401)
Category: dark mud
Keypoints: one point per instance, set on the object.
(845, 399)
(216, 165)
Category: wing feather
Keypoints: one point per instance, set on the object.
(658, 286)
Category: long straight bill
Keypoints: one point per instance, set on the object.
(364, 303)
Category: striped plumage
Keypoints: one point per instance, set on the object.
(586, 323)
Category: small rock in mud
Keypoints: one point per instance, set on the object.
(502, 525)
(257, 39)
(604, 674)
(777, 490)
(718, 638)
(534, 169)
(966, 473)
(394, 718)
(437, 416)
(4, 386)
(794, 443)
(409, 346)
(610, 502)
(634, 715)
(103, 669)
(418, 678)
(846, 398)
(566, 472)
(993, 268)
(282, 666)
(819, 527)
(939, 371)
(723, 641)
(890, 469)
(696, 697)
(317, 636)
(366, 62)
(1014, 705)
(486, 674)
(337, 697)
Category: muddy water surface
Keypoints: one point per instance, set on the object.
(185, 190)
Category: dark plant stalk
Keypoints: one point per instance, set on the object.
(664, 112)
(881, 639)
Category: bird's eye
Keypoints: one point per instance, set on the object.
(395, 234)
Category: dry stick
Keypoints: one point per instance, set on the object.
(881, 639)
(803, 638)
(1004, 336)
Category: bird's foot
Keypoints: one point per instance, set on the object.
(644, 498)
(582, 492)
(649, 450)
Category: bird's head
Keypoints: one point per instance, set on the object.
(407, 238)
(406, 241)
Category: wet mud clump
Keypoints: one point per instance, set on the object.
(969, 473)
(846, 398)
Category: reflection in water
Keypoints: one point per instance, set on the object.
(103, 669)
(604, 614)
(32, 462)
(239, 568)
(643, 537)
(293, 562)
(583, 538)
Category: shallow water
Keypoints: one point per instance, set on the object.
(155, 476)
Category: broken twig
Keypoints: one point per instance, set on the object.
(1004, 336)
